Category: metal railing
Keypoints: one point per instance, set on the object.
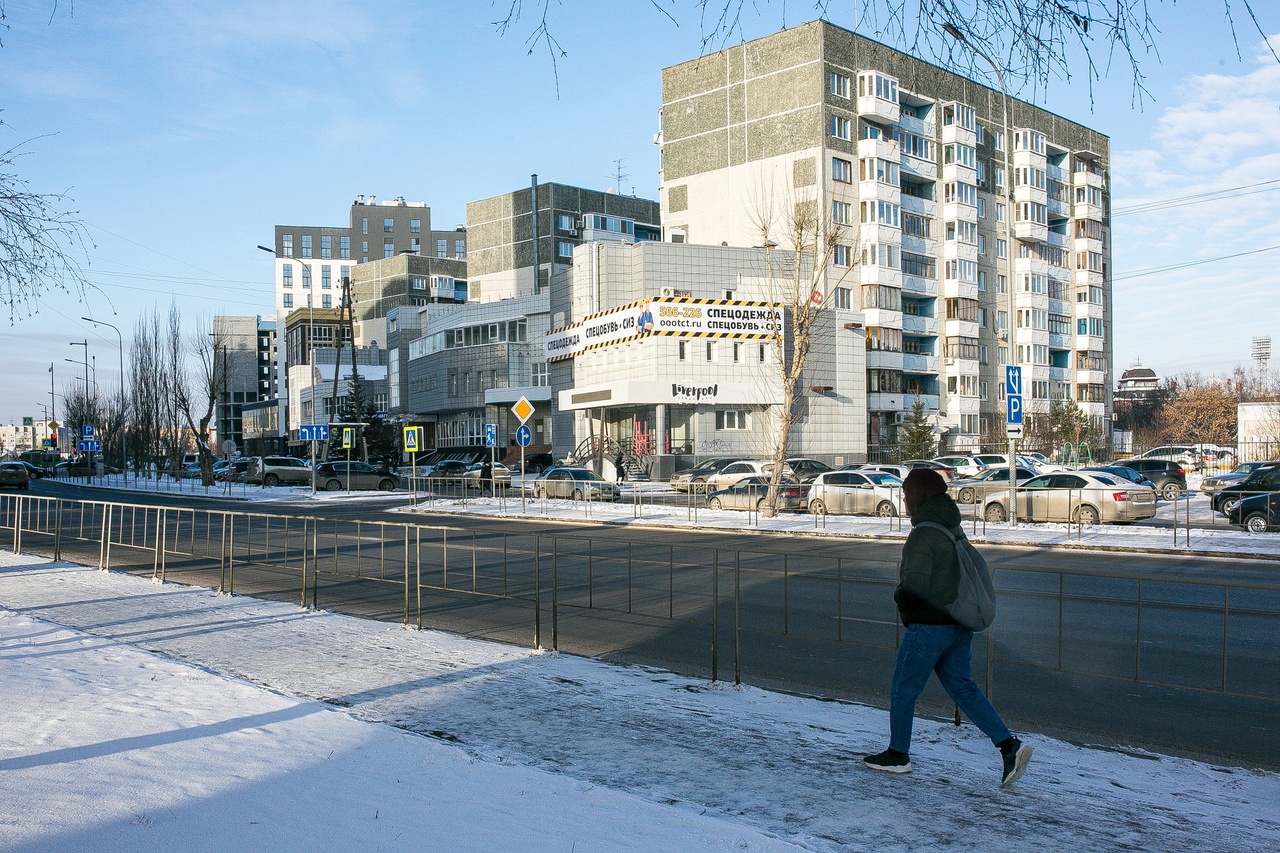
(751, 610)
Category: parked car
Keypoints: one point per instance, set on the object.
(697, 476)
(750, 492)
(13, 475)
(1125, 473)
(234, 470)
(1257, 513)
(34, 472)
(336, 476)
(805, 470)
(1262, 480)
(947, 471)
(1089, 497)
(79, 468)
(898, 471)
(1001, 460)
(965, 466)
(536, 463)
(856, 493)
(575, 483)
(277, 470)
(735, 471)
(501, 476)
(1238, 474)
(1170, 477)
(972, 490)
(446, 469)
(1186, 455)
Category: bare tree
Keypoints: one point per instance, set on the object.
(198, 389)
(1037, 41)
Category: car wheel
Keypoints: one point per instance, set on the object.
(1229, 505)
(886, 510)
(1256, 523)
(714, 503)
(1170, 491)
(995, 513)
(386, 485)
(817, 508)
(333, 486)
(537, 491)
(759, 504)
(577, 494)
(967, 495)
(271, 480)
(1087, 515)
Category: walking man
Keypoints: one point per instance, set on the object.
(619, 467)
(934, 642)
(486, 476)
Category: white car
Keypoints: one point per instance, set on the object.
(856, 493)
(965, 466)
(732, 473)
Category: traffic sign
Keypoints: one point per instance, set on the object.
(523, 409)
(490, 435)
(90, 446)
(27, 420)
(412, 439)
(347, 437)
(87, 431)
(1013, 380)
(524, 435)
(1013, 410)
(1013, 430)
(1013, 397)
(314, 432)
(45, 442)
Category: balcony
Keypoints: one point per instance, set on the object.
(918, 325)
(881, 360)
(918, 126)
(1031, 232)
(918, 286)
(878, 110)
(919, 245)
(920, 168)
(885, 149)
(1059, 374)
(1053, 238)
(919, 363)
(922, 206)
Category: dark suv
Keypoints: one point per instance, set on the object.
(1169, 477)
(1263, 480)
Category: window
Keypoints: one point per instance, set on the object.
(326, 301)
(1002, 248)
(884, 381)
(982, 207)
(967, 348)
(683, 350)
(442, 248)
(326, 246)
(912, 145)
(388, 225)
(962, 155)
(564, 221)
(876, 169)
(286, 245)
(840, 127)
(344, 273)
(388, 249)
(737, 352)
(306, 276)
(415, 226)
(964, 232)
(840, 212)
(916, 225)
(733, 419)
(841, 170)
(982, 281)
(878, 85)
(997, 140)
(286, 273)
(364, 225)
(838, 84)
(415, 245)
(344, 248)
(922, 266)
(540, 376)
(999, 211)
(326, 277)
(711, 351)
(459, 249)
(884, 212)
(288, 300)
(882, 255)
(841, 256)
(418, 282)
(564, 249)
(883, 339)
(881, 296)
(982, 244)
(842, 297)
(306, 245)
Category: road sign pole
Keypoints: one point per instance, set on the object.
(313, 467)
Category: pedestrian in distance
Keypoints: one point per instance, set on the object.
(930, 580)
(619, 467)
(486, 476)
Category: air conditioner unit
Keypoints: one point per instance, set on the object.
(573, 232)
(948, 361)
(899, 418)
(667, 292)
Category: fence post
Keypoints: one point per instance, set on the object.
(715, 615)
(537, 591)
(737, 620)
(17, 524)
(231, 554)
(305, 543)
(315, 562)
(57, 534)
(222, 557)
(417, 569)
(555, 595)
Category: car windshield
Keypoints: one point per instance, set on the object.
(883, 479)
(583, 474)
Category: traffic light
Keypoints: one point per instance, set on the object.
(53, 437)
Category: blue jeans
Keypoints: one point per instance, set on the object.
(943, 649)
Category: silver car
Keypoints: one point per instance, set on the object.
(696, 477)
(973, 490)
(856, 493)
(275, 470)
(749, 493)
(1089, 497)
(575, 483)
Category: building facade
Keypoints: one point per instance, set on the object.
(247, 346)
(907, 163)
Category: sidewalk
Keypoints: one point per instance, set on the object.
(185, 720)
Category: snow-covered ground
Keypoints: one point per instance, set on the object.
(173, 718)
(638, 507)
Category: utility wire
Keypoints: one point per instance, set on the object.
(1198, 198)
(1171, 267)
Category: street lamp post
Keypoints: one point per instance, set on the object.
(311, 353)
(124, 453)
(85, 344)
(956, 34)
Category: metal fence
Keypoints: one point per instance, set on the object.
(772, 616)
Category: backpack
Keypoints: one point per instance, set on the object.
(975, 603)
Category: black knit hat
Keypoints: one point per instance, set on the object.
(922, 484)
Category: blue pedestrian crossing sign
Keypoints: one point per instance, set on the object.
(490, 435)
(412, 439)
(524, 436)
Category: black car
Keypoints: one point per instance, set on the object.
(1170, 478)
(1263, 480)
(1257, 513)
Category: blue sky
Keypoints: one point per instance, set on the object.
(185, 132)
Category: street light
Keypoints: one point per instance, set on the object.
(124, 453)
(951, 30)
(311, 352)
(85, 344)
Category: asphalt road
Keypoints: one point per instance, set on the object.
(1174, 653)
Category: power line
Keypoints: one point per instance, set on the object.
(1171, 267)
(1198, 198)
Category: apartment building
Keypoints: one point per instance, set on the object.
(247, 346)
(939, 213)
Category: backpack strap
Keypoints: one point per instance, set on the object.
(954, 536)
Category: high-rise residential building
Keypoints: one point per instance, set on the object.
(941, 210)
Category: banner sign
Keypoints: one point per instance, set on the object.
(669, 316)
